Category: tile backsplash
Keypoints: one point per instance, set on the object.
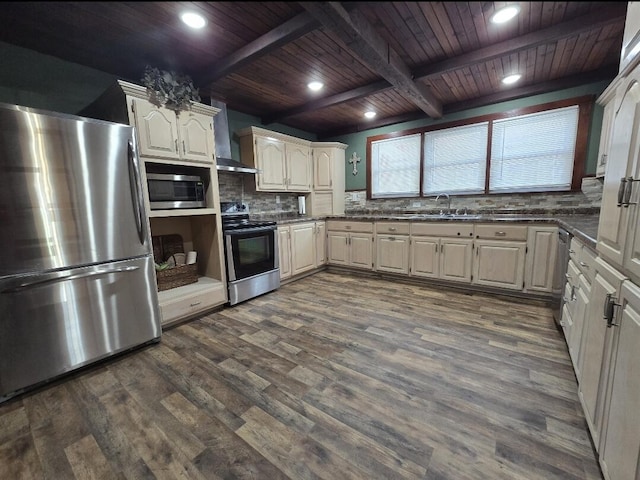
(232, 188)
(588, 198)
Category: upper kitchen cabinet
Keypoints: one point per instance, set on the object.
(631, 38)
(163, 133)
(327, 197)
(620, 188)
(607, 100)
(284, 161)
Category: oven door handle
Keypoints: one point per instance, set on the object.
(250, 230)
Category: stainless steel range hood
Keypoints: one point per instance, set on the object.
(223, 143)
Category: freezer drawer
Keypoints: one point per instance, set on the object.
(55, 322)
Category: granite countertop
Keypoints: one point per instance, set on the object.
(582, 224)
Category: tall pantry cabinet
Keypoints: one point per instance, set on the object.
(609, 381)
(180, 143)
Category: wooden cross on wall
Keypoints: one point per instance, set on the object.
(354, 161)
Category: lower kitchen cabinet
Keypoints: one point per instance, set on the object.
(442, 250)
(301, 248)
(284, 251)
(392, 247)
(620, 442)
(499, 264)
(542, 246)
(350, 243)
(596, 345)
(574, 341)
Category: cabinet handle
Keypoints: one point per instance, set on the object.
(500, 234)
(603, 159)
(195, 304)
(571, 252)
(627, 192)
(567, 276)
(392, 238)
(392, 229)
(582, 264)
(441, 248)
(436, 248)
(609, 309)
(621, 190)
(176, 142)
(348, 227)
(184, 148)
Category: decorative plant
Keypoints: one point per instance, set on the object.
(169, 89)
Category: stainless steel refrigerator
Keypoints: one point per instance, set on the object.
(77, 281)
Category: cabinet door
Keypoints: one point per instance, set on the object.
(157, 130)
(392, 253)
(303, 255)
(542, 246)
(612, 226)
(298, 168)
(455, 259)
(270, 159)
(595, 348)
(425, 261)
(621, 434)
(196, 137)
(338, 248)
(284, 252)
(361, 250)
(322, 168)
(583, 295)
(499, 264)
(321, 244)
(605, 137)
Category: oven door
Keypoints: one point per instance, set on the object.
(250, 252)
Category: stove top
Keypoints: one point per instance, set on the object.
(238, 221)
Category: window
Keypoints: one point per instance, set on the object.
(395, 167)
(535, 149)
(454, 159)
(534, 152)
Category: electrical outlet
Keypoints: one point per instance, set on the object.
(277, 199)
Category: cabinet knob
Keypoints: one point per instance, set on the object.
(500, 234)
(392, 229)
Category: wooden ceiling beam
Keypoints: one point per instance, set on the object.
(548, 35)
(360, 37)
(603, 74)
(353, 94)
(287, 32)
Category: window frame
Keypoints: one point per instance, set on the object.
(585, 108)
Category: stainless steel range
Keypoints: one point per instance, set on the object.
(251, 253)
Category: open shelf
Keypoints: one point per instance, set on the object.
(181, 212)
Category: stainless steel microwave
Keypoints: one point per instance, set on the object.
(168, 191)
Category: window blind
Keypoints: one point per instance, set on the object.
(534, 152)
(396, 167)
(455, 159)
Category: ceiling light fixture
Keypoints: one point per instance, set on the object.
(315, 86)
(505, 14)
(370, 114)
(508, 80)
(193, 20)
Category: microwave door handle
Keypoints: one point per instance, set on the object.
(136, 193)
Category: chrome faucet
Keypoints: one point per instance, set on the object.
(446, 195)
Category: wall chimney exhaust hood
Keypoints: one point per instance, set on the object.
(223, 143)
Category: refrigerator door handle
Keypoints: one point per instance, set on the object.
(138, 201)
(48, 279)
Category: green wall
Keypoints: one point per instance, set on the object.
(358, 141)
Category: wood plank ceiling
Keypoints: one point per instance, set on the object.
(404, 60)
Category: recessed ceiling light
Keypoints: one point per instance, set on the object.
(315, 86)
(505, 14)
(511, 79)
(370, 114)
(193, 20)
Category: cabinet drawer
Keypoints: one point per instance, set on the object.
(502, 232)
(573, 273)
(349, 226)
(464, 230)
(575, 247)
(396, 228)
(587, 263)
(191, 304)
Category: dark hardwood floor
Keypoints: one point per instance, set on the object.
(330, 377)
